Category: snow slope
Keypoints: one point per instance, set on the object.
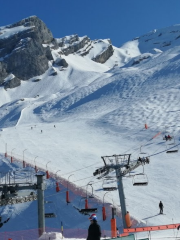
(101, 110)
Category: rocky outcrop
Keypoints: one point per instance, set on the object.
(105, 55)
(3, 73)
(61, 62)
(21, 49)
(29, 59)
(72, 44)
(39, 31)
(12, 82)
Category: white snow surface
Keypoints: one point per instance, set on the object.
(91, 110)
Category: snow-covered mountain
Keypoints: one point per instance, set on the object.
(98, 97)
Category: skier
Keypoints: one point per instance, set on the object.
(161, 207)
(117, 231)
(169, 137)
(94, 231)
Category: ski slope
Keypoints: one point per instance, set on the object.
(99, 110)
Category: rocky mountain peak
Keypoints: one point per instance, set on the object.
(21, 51)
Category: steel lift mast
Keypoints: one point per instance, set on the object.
(122, 166)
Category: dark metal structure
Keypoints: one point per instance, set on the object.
(122, 166)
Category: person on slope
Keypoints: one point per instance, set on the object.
(161, 207)
(169, 137)
(94, 231)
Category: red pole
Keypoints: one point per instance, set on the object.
(35, 168)
(47, 175)
(67, 197)
(86, 203)
(6, 155)
(113, 228)
(104, 213)
(57, 187)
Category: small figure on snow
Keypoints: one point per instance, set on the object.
(147, 160)
(169, 137)
(117, 231)
(94, 231)
(161, 207)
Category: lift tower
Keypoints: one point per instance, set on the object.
(122, 166)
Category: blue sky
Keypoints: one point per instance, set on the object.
(119, 20)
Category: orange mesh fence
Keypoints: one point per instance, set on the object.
(152, 228)
(156, 135)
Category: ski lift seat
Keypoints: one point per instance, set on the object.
(140, 180)
(172, 151)
(109, 188)
(84, 210)
(140, 184)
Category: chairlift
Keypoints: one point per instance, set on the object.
(140, 180)
(86, 210)
(172, 149)
(50, 215)
(109, 185)
(141, 151)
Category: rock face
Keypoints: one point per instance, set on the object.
(26, 47)
(104, 56)
(72, 44)
(14, 82)
(61, 62)
(21, 49)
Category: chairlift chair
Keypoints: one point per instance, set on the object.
(108, 186)
(86, 210)
(172, 149)
(140, 180)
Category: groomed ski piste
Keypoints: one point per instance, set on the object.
(91, 110)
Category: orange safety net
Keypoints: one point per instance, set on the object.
(156, 135)
(153, 228)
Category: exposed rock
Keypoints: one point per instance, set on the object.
(140, 58)
(28, 59)
(3, 73)
(55, 44)
(72, 44)
(104, 56)
(53, 72)
(39, 30)
(37, 80)
(22, 50)
(61, 62)
(12, 83)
